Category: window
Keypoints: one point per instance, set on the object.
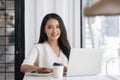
(7, 39)
(11, 39)
(103, 32)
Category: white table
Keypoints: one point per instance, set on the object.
(95, 77)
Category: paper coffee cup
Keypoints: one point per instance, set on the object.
(58, 70)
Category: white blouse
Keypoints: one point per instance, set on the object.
(43, 56)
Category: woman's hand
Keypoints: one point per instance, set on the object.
(44, 70)
(65, 69)
(47, 70)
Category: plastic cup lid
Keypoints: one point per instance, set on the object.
(57, 64)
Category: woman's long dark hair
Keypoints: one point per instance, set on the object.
(62, 41)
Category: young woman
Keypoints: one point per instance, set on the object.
(52, 47)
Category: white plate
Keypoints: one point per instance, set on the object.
(39, 74)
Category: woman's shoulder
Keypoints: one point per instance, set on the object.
(40, 44)
(39, 47)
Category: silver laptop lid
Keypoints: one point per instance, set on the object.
(84, 61)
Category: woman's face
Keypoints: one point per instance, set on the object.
(52, 29)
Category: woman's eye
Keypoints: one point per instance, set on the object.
(57, 27)
(49, 27)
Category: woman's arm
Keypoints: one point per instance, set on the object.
(25, 68)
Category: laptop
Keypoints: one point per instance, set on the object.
(84, 61)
